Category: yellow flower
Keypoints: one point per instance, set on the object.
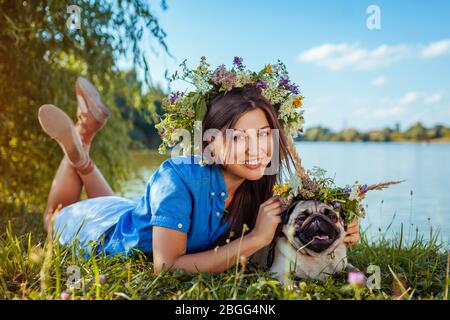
(268, 68)
(279, 188)
(276, 189)
(298, 101)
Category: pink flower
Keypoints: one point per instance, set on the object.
(356, 278)
(65, 295)
(101, 279)
(223, 77)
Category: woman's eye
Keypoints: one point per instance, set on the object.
(263, 133)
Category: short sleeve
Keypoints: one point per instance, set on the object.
(170, 200)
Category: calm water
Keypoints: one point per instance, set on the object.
(425, 167)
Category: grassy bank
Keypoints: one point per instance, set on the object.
(31, 268)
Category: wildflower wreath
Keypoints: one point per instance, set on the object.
(183, 109)
(346, 200)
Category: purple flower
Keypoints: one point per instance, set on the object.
(294, 88)
(347, 190)
(364, 188)
(336, 205)
(261, 84)
(286, 83)
(356, 278)
(174, 96)
(283, 82)
(237, 61)
(65, 295)
(101, 279)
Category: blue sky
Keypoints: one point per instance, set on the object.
(350, 76)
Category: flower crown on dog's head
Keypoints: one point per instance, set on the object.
(183, 109)
(346, 200)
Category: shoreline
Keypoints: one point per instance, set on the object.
(437, 141)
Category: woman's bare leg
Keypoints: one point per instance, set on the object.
(67, 186)
(68, 183)
(95, 184)
(65, 189)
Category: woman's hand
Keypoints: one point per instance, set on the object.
(267, 221)
(352, 237)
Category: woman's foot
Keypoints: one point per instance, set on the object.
(92, 113)
(57, 124)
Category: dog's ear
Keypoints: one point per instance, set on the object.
(287, 212)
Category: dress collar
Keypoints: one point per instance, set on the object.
(218, 185)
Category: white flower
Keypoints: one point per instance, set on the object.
(202, 85)
(243, 78)
(286, 108)
(354, 193)
(296, 184)
(273, 94)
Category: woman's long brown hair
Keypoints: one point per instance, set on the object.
(223, 112)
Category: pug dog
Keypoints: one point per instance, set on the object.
(311, 243)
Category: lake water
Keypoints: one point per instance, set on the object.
(418, 203)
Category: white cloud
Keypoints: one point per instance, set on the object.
(352, 56)
(435, 49)
(378, 81)
(383, 113)
(409, 98)
(399, 107)
(341, 56)
(434, 98)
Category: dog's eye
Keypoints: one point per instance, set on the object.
(331, 215)
(300, 219)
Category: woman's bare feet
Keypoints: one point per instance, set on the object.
(57, 124)
(92, 113)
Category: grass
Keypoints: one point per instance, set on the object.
(32, 268)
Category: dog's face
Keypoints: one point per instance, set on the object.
(313, 225)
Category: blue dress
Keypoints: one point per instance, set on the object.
(180, 195)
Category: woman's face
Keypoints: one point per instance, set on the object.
(246, 149)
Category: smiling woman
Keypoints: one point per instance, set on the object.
(185, 210)
(248, 155)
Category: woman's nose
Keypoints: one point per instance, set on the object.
(252, 145)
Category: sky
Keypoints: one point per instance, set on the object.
(350, 75)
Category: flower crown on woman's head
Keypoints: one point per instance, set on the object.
(183, 109)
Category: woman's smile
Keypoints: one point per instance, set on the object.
(252, 164)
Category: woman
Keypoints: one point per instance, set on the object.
(188, 211)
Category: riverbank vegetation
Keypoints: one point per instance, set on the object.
(415, 133)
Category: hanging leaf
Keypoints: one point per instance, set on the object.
(199, 107)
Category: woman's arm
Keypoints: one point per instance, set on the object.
(169, 249)
(169, 245)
